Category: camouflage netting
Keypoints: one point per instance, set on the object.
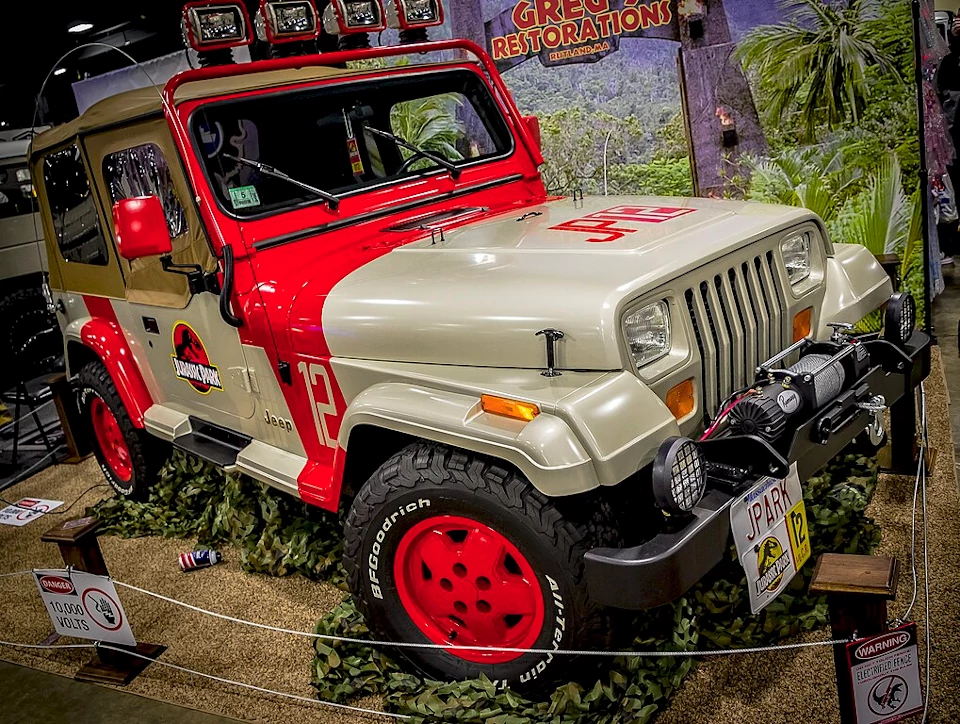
(277, 535)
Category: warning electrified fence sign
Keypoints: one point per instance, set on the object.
(84, 605)
(885, 676)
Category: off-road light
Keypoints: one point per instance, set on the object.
(287, 21)
(900, 319)
(795, 251)
(413, 14)
(216, 26)
(679, 475)
(342, 17)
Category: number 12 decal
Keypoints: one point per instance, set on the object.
(320, 410)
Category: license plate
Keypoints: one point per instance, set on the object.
(769, 524)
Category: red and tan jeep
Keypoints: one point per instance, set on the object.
(534, 408)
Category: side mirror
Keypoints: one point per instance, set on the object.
(141, 227)
(533, 126)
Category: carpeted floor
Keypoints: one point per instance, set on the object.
(761, 688)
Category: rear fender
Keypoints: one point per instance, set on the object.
(105, 338)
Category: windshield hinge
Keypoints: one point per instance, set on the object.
(198, 280)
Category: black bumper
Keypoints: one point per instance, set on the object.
(666, 566)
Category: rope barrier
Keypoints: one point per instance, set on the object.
(454, 647)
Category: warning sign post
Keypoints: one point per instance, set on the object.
(885, 676)
(84, 605)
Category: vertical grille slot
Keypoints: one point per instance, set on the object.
(737, 319)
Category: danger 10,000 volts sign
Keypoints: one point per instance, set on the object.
(84, 605)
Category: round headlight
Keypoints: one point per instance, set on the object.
(900, 318)
(679, 475)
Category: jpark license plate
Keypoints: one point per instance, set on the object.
(769, 524)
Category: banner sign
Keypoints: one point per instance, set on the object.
(84, 605)
(885, 676)
(769, 526)
(575, 31)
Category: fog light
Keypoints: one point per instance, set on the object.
(679, 475)
(900, 318)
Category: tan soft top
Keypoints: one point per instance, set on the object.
(145, 102)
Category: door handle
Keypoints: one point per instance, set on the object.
(225, 311)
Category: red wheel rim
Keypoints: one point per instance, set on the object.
(110, 438)
(464, 583)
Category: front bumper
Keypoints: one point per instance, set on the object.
(666, 566)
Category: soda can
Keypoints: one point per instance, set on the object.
(198, 559)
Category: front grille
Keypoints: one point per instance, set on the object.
(738, 323)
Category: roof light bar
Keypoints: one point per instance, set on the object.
(343, 17)
(287, 21)
(414, 14)
(215, 25)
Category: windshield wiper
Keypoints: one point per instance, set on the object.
(263, 168)
(454, 171)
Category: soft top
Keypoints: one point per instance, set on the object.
(145, 102)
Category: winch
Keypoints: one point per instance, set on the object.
(821, 373)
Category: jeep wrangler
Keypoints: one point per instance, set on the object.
(534, 408)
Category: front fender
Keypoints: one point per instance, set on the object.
(591, 434)
(856, 285)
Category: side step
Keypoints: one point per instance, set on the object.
(212, 443)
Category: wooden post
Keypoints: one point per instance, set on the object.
(64, 398)
(857, 590)
(80, 549)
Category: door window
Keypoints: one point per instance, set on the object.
(143, 171)
(73, 208)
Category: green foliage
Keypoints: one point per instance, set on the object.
(879, 216)
(278, 535)
(817, 64)
(431, 124)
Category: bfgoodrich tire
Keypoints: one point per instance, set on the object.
(446, 548)
(130, 458)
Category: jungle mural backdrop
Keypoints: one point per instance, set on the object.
(804, 102)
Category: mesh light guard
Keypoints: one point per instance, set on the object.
(679, 475)
(900, 318)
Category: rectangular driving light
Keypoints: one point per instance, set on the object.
(216, 26)
(287, 21)
(342, 17)
(413, 14)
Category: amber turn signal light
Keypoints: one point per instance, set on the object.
(680, 400)
(506, 407)
(801, 324)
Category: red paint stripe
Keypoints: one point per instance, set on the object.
(104, 335)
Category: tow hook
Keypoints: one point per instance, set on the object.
(875, 429)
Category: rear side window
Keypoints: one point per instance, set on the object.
(73, 208)
(143, 171)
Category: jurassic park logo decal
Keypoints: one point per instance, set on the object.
(190, 361)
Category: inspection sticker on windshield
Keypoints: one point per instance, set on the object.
(244, 197)
(769, 524)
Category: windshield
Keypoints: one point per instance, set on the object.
(321, 137)
(16, 190)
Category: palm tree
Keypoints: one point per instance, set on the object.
(431, 124)
(816, 63)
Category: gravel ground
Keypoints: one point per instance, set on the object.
(784, 687)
